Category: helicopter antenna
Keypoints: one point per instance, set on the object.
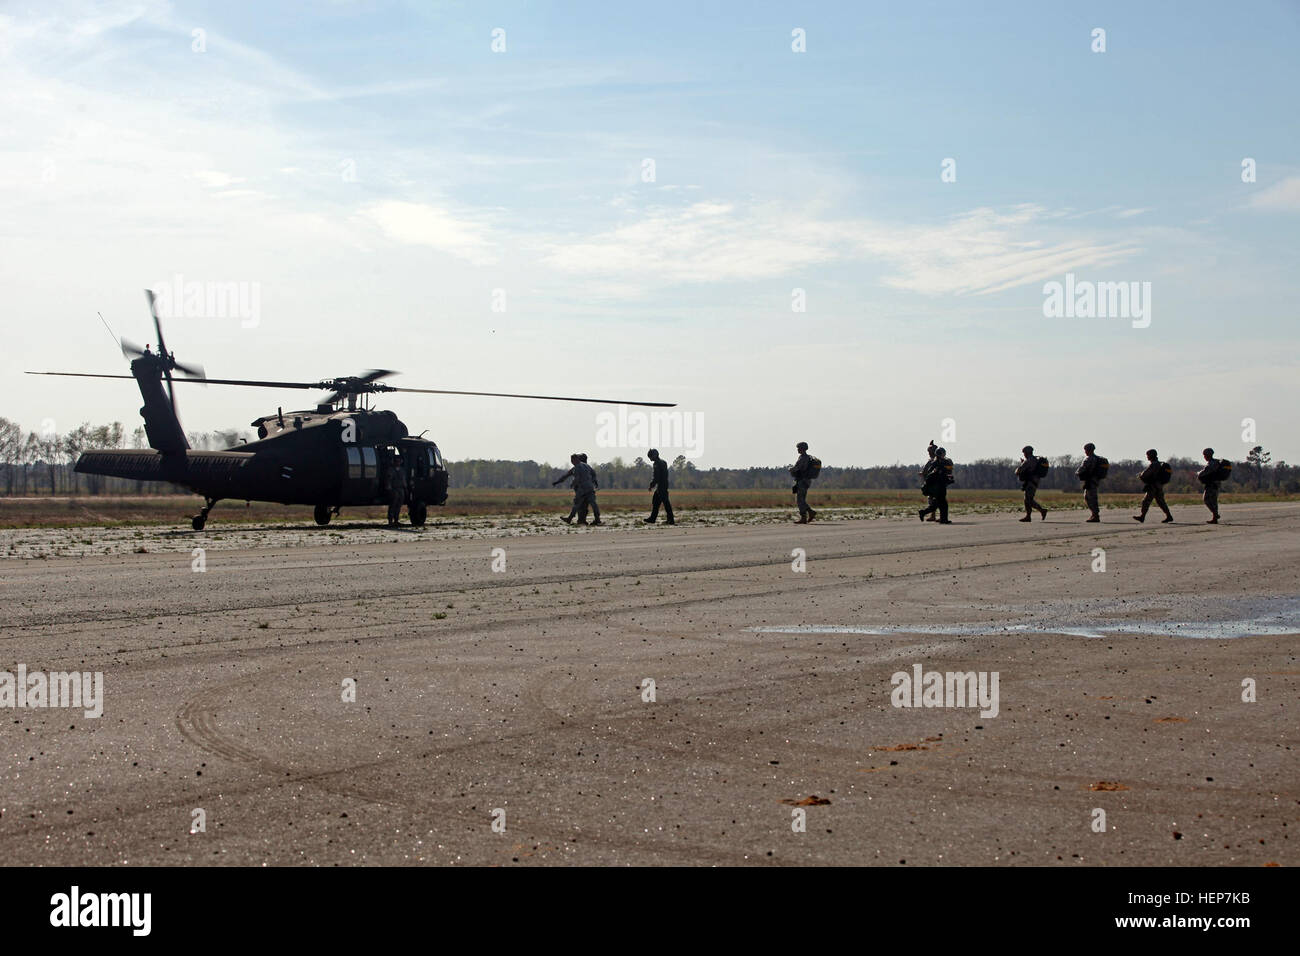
(116, 341)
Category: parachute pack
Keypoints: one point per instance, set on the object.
(938, 473)
(1224, 471)
(1040, 470)
(1164, 474)
(814, 469)
(1102, 466)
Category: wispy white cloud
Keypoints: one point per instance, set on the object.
(216, 179)
(422, 224)
(1282, 195)
(981, 251)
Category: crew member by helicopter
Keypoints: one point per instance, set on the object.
(396, 491)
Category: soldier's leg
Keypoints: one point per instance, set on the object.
(595, 508)
(943, 508)
(1029, 501)
(801, 498)
(1159, 495)
(1090, 499)
(668, 508)
(1211, 498)
(654, 506)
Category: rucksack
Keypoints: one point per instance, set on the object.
(1040, 470)
(1164, 473)
(814, 469)
(938, 473)
(1225, 470)
(1100, 469)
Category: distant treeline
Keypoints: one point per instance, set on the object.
(33, 464)
(36, 463)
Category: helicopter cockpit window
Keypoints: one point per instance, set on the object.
(435, 456)
(368, 459)
(354, 463)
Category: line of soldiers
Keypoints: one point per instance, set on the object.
(936, 476)
(1154, 478)
(585, 485)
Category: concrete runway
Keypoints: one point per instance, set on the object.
(522, 690)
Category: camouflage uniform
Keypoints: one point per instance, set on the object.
(1210, 495)
(1087, 474)
(1155, 491)
(802, 484)
(584, 491)
(1027, 473)
(396, 493)
(936, 488)
(930, 503)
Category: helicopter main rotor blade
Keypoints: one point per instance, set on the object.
(157, 326)
(162, 348)
(79, 374)
(200, 381)
(387, 388)
(547, 398)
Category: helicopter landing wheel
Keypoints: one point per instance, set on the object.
(322, 514)
(200, 519)
(419, 513)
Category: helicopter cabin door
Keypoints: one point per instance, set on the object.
(362, 480)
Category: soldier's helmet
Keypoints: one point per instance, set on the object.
(573, 459)
(1152, 454)
(940, 452)
(1028, 449)
(802, 446)
(653, 453)
(1208, 453)
(1090, 448)
(583, 456)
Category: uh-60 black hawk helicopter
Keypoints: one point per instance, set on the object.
(340, 453)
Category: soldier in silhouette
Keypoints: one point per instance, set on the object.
(659, 485)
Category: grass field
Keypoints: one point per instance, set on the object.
(118, 511)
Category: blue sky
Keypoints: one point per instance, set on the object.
(377, 171)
